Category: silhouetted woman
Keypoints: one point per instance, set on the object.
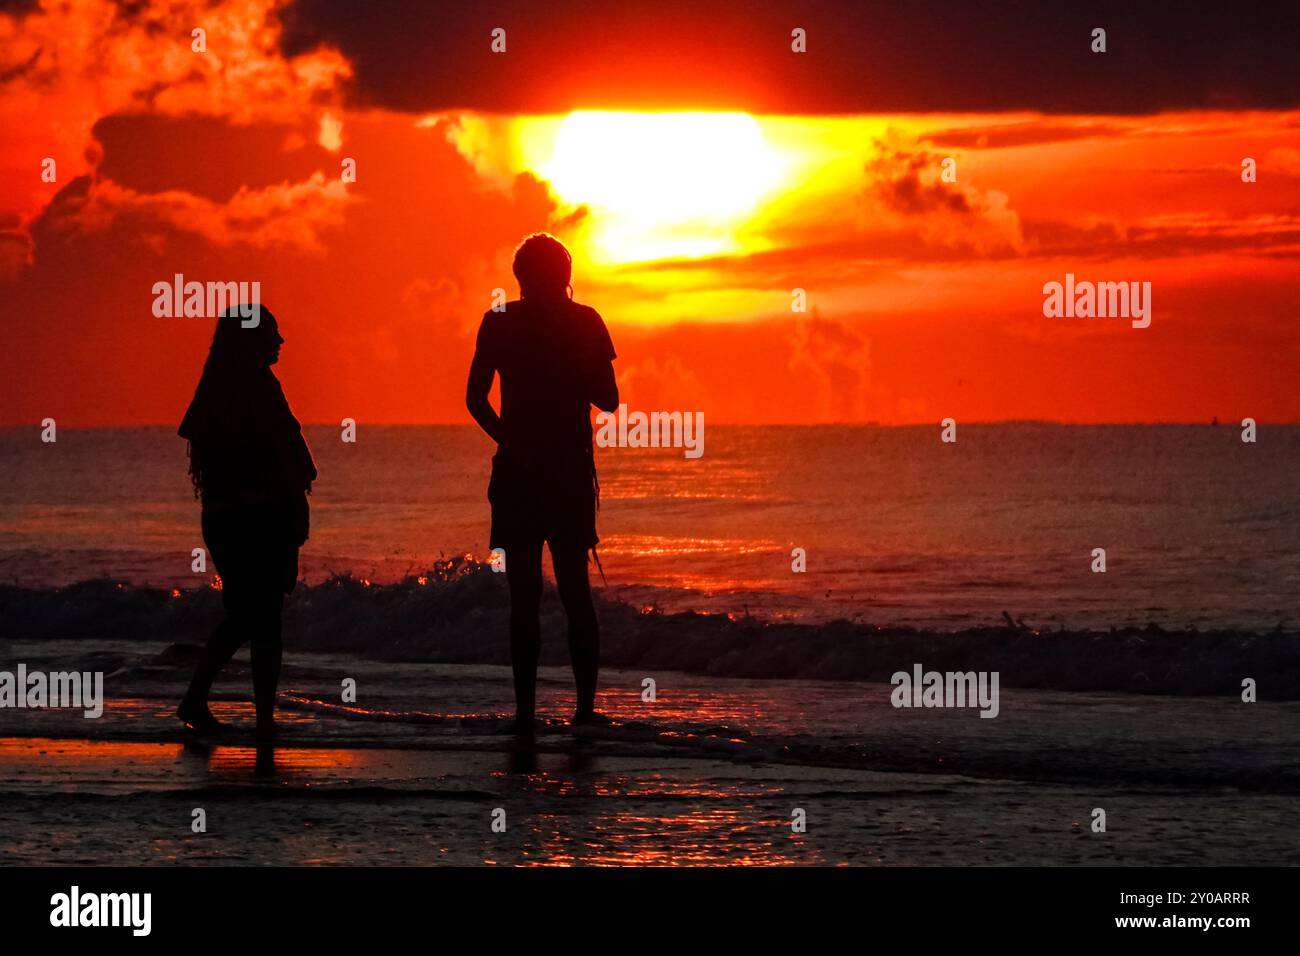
(555, 358)
(252, 470)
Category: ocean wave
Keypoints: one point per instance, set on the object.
(457, 613)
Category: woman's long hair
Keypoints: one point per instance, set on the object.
(237, 360)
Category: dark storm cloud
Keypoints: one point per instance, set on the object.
(138, 152)
(864, 56)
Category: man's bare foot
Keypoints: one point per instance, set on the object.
(591, 718)
(522, 727)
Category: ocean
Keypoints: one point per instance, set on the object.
(899, 529)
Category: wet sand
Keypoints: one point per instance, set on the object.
(125, 804)
(710, 772)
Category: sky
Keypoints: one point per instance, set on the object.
(700, 171)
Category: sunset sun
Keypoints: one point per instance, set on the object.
(661, 185)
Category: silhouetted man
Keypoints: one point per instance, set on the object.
(555, 358)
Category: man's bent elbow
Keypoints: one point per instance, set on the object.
(477, 407)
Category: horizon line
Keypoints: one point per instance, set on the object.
(1229, 423)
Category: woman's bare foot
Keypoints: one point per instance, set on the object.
(590, 718)
(198, 717)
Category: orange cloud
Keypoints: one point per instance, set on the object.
(836, 362)
(291, 214)
(64, 66)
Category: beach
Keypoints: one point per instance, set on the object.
(709, 772)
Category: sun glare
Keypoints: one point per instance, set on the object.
(662, 185)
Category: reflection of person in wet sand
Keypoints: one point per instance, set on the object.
(252, 470)
(554, 358)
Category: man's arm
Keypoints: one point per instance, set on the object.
(476, 398)
(605, 389)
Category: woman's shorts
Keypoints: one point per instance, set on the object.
(253, 553)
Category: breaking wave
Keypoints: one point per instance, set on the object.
(457, 612)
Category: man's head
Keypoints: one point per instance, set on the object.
(543, 267)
